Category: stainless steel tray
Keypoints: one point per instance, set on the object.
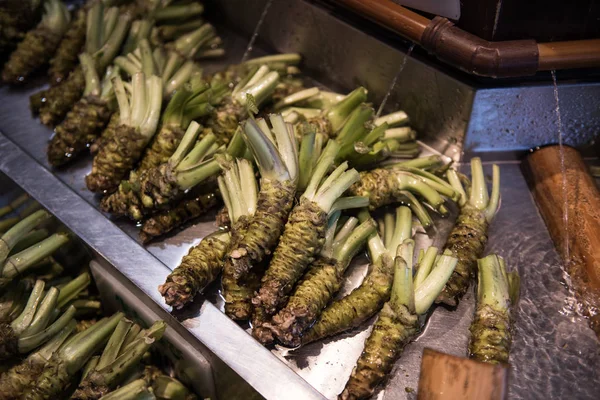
(555, 354)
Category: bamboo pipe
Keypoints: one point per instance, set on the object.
(470, 53)
(576, 236)
(446, 377)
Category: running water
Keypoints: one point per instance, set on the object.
(393, 84)
(572, 304)
(256, 30)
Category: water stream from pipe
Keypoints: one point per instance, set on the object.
(256, 30)
(572, 306)
(393, 84)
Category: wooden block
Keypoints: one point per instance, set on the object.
(446, 377)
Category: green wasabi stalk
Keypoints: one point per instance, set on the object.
(397, 118)
(399, 322)
(186, 210)
(21, 262)
(59, 99)
(276, 155)
(22, 375)
(179, 113)
(13, 205)
(66, 56)
(166, 33)
(187, 45)
(178, 12)
(468, 238)
(497, 293)
(366, 300)
(84, 123)
(34, 325)
(154, 189)
(117, 360)
(29, 240)
(321, 282)
(204, 262)
(259, 84)
(167, 388)
(427, 163)
(304, 233)
(384, 186)
(69, 359)
(331, 120)
(13, 301)
(139, 119)
(15, 234)
(136, 390)
(38, 45)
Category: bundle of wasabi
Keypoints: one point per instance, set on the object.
(13, 265)
(70, 358)
(152, 190)
(304, 233)
(189, 103)
(497, 294)
(366, 300)
(16, 18)
(105, 33)
(37, 323)
(257, 80)
(276, 155)
(122, 354)
(468, 237)
(139, 117)
(329, 121)
(387, 186)
(21, 376)
(187, 209)
(65, 59)
(89, 115)
(322, 280)
(38, 45)
(204, 262)
(400, 319)
(366, 142)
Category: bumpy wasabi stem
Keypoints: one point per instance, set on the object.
(398, 324)
(65, 59)
(156, 188)
(107, 134)
(59, 99)
(318, 286)
(38, 45)
(468, 238)
(186, 210)
(366, 300)
(69, 359)
(278, 167)
(204, 262)
(197, 269)
(384, 187)
(20, 377)
(138, 124)
(84, 123)
(491, 328)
